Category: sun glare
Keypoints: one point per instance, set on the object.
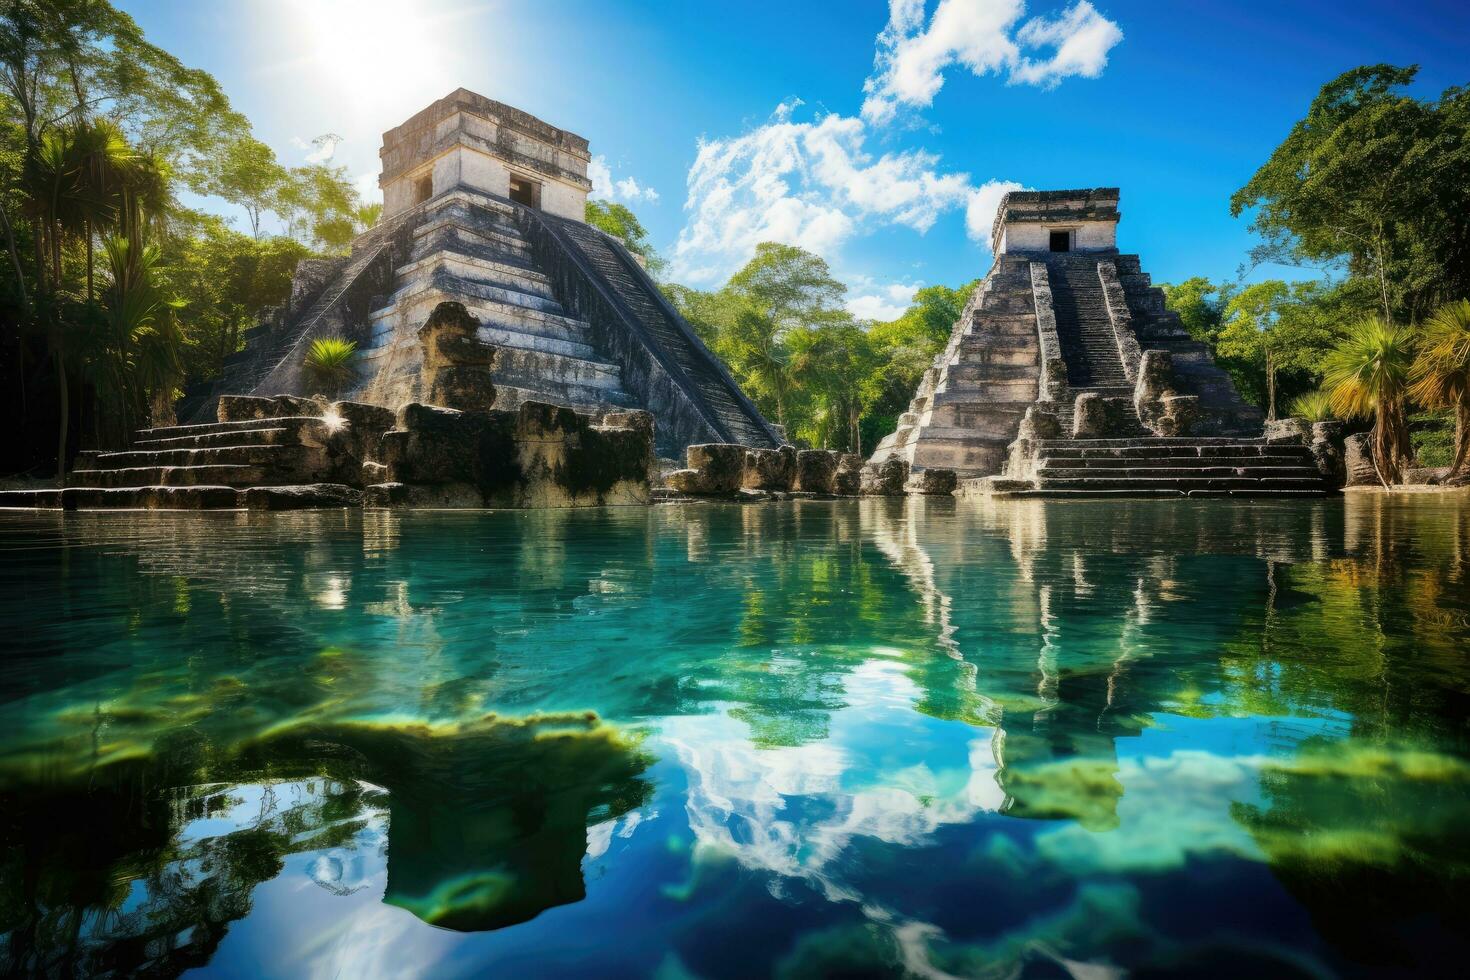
(375, 55)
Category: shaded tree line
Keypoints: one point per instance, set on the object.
(1372, 189)
(113, 294)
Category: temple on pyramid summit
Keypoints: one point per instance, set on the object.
(483, 205)
(1066, 374)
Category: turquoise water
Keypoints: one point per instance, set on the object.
(933, 737)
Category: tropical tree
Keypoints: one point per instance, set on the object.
(1441, 374)
(1368, 375)
(835, 363)
(329, 363)
(1376, 179)
(246, 173)
(1276, 326)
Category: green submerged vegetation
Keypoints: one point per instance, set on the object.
(883, 735)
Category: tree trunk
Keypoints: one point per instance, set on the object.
(1270, 387)
(1390, 441)
(89, 260)
(1460, 468)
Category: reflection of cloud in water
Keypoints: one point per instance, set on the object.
(792, 810)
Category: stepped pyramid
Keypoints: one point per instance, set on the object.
(1062, 315)
(483, 205)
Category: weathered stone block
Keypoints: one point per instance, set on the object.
(1294, 431)
(564, 461)
(432, 445)
(721, 466)
(815, 470)
(886, 479)
(769, 469)
(848, 480)
(309, 496)
(457, 364)
(1096, 417)
(933, 481)
(449, 496)
(1328, 452)
(244, 408)
(1039, 424)
(1179, 415)
(685, 481)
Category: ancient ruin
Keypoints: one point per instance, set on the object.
(483, 206)
(1066, 375)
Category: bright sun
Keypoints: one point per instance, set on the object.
(376, 55)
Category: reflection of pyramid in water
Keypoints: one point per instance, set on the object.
(486, 826)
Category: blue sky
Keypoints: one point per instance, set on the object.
(878, 136)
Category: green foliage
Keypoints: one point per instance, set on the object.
(1368, 375)
(832, 381)
(1200, 305)
(1441, 372)
(329, 362)
(621, 223)
(1314, 406)
(1377, 180)
(1272, 328)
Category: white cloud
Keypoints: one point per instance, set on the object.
(322, 148)
(980, 35)
(869, 302)
(813, 184)
(982, 205)
(606, 187)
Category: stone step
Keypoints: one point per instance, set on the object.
(1182, 442)
(174, 476)
(510, 397)
(1133, 461)
(1050, 473)
(1182, 483)
(245, 455)
(292, 423)
(1174, 493)
(522, 286)
(273, 436)
(201, 497)
(528, 368)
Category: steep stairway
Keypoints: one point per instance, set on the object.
(1084, 328)
(708, 382)
(972, 398)
(468, 248)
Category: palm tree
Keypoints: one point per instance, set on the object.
(329, 362)
(1314, 406)
(1368, 375)
(1441, 374)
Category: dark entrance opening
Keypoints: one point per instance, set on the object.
(526, 192)
(1061, 241)
(423, 188)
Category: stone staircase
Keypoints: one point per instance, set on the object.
(256, 452)
(1162, 467)
(971, 400)
(468, 248)
(629, 286)
(1084, 328)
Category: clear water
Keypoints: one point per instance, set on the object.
(814, 739)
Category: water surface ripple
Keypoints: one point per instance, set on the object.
(865, 738)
